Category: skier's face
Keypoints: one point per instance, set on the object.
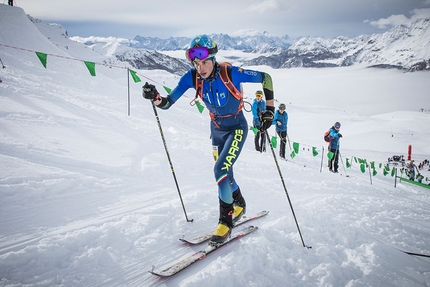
(204, 68)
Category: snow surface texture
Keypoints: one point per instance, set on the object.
(87, 196)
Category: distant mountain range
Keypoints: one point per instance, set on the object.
(250, 42)
(405, 47)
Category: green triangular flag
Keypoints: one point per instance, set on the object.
(43, 58)
(393, 171)
(91, 67)
(372, 164)
(330, 155)
(274, 142)
(348, 165)
(168, 90)
(293, 154)
(355, 159)
(385, 172)
(375, 172)
(135, 77)
(362, 168)
(200, 107)
(255, 130)
(380, 165)
(314, 151)
(296, 147)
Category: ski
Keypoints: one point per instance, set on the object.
(204, 237)
(199, 255)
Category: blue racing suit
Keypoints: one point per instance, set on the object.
(229, 127)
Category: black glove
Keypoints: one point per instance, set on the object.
(150, 92)
(340, 135)
(266, 120)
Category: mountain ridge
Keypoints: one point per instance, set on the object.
(402, 47)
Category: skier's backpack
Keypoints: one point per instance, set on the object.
(225, 75)
(326, 136)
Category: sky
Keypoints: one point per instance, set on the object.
(165, 18)
(87, 196)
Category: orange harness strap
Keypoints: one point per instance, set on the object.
(228, 84)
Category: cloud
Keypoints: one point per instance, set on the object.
(399, 19)
(421, 13)
(393, 20)
(266, 5)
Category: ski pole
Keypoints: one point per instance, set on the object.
(322, 158)
(170, 161)
(285, 188)
(289, 143)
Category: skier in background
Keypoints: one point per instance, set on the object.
(334, 146)
(280, 121)
(10, 2)
(228, 123)
(258, 106)
(410, 168)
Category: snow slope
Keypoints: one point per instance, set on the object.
(87, 196)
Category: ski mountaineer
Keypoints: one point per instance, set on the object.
(228, 125)
(281, 121)
(258, 106)
(334, 146)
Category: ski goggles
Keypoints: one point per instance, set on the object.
(337, 127)
(258, 96)
(199, 53)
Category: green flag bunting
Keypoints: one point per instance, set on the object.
(91, 67)
(374, 172)
(168, 90)
(393, 171)
(330, 155)
(348, 165)
(43, 58)
(136, 78)
(200, 107)
(296, 147)
(293, 154)
(362, 168)
(314, 151)
(254, 130)
(274, 142)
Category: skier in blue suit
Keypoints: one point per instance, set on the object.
(229, 128)
(280, 121)
(258, 106)
(334, 146)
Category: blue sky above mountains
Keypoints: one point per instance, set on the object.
(164, 18)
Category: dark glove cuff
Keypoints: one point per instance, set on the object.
(162, 103)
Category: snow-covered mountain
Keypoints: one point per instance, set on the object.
(403, 47)
(248, 41)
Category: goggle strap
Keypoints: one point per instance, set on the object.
(213, 50)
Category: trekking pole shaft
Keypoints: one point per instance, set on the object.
(322, 158)
(289, 143)
(285, 188)
(170, 161)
